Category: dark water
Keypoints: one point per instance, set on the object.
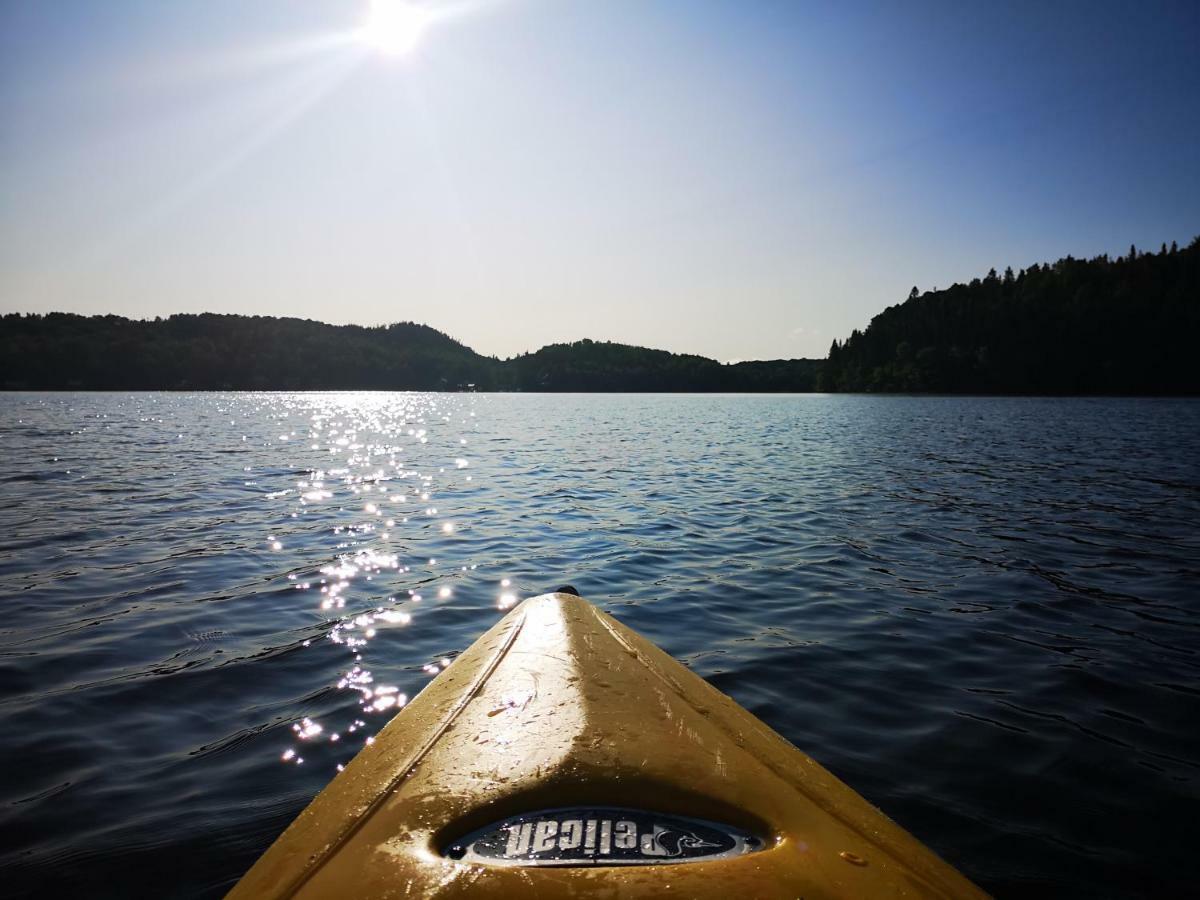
(981, 613)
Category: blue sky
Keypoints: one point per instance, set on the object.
(742, 180)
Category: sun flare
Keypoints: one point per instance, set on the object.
(395, 26)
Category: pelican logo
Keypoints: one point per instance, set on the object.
(601, 836)
(673, 842)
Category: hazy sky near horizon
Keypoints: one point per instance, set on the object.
(743, 180)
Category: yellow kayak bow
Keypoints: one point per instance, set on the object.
(564, 755)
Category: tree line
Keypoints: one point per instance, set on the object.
(1097, 326)
(1125, 325)
(64, 351)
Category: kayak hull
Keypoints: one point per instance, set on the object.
(557, 721)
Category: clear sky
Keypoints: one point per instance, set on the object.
(744, 180)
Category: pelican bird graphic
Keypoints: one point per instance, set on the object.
(673, 841)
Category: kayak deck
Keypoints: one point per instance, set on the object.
(564, 755)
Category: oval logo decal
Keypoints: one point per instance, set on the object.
(601, 836)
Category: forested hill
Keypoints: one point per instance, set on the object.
(1100, 326)
(229, 352)
(216, 352)
(602, 366)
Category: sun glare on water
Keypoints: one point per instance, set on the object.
(395, 26)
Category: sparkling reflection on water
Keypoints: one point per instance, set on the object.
(981, 613)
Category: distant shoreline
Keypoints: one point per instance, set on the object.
(1102, 327)
(898, 395)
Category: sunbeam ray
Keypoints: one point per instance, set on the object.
(308, 92)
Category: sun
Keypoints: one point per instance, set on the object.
(395, 26)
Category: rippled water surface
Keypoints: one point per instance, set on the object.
(981, 613)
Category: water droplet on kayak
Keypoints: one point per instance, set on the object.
(853, 858)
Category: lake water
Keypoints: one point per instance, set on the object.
(983, 614)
